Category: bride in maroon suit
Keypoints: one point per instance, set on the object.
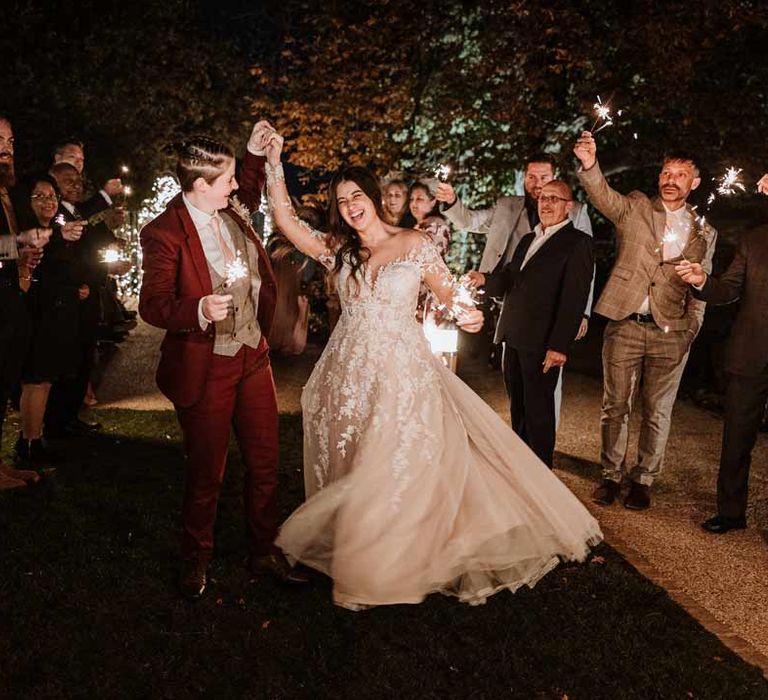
(214, 363)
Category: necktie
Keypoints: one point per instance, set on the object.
(25, 274)
(226, 251)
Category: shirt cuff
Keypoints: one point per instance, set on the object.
(699, 287)
(255, 151)
(107, 198)
(201, 319)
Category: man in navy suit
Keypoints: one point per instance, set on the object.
(545, 288)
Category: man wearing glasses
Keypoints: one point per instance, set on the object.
(545, 288)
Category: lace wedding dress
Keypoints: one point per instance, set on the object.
(414, 484)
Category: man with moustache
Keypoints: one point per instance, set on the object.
(653, 316)
(545, 287)
(19, 253)
(745, 280)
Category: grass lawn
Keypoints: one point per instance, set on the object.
(88, 606)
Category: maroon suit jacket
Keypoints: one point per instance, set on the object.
(176, 277)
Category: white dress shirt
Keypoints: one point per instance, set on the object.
(540, 237)
(211, 247)
(679, 224)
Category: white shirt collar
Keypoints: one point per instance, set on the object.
(200, 218)
(538, 230)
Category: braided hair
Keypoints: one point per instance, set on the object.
(199, 156)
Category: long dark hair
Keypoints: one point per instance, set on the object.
(418, 185)
(350, 248)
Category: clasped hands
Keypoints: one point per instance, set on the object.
(265, 141)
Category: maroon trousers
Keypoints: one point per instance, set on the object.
(239, 393)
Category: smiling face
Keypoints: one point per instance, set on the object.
(213, 196)
(44, 202)
(394, 199)
(677, 179)
(421, 203)
(555, 201)
(70, 183)
(356, 207)
(73, 154)
(536, 176)
(7, 172)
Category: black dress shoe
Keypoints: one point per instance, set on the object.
(606, 493)
(639, 496)
(193, 579)
(36, 453)
(277, 566)
(719, 524)
(81, 427)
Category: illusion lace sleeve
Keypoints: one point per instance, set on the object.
(450, 293)
(308, 240)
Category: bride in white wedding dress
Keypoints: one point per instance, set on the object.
(414, 484)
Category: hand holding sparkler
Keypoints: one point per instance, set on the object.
(691, 273)
(762, 184)
(70, 230)
(215, 307)
(586, 150)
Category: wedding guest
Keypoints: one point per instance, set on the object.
(653, 316)
(424, 209)
(505, 223)
(746, 279)
(65, 399)
(72, 151)
(53, 310)
(16, 246)
(214, 363)
(289, 328)
(395, 201)
(545, 287)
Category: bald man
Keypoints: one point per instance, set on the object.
(545, 288)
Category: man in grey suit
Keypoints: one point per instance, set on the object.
(653, 315)
(746, 363)
(507, 221)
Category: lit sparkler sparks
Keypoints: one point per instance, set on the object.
(59, 219)
(110, 255)
(603, 113)
(443, 172)
(464, 298)
(672, 238)
(236, 270)
(729, 183)
(127, 190)
(124, 170)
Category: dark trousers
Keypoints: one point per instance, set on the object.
(14, 340)
(745, 399)
(532, 399)
(240, 394)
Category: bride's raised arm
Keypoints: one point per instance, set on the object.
(308, 240)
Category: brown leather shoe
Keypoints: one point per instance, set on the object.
(193, 579)
(606, 493)
(277, 566)
(639, 497)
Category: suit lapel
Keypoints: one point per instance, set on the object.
(546, 245)
(194, 244)
(659, 224)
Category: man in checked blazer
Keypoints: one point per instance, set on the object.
(746, 362)
(653, 315)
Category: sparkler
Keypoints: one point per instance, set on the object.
(59, 219)
(671, 238)
(236, 270)
(127, 190)
(443, 172)
(110, 255)
(124, 170)
(603, 113)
